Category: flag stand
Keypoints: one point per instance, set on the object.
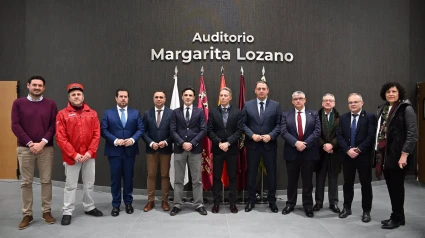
(243, 199)
(262, 200)
(224, 201)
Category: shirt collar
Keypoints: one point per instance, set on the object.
(302, 110)
(265, 101)
(190, 107)
(228, 107)
(162, 108)
(34, 100)
(125, 108)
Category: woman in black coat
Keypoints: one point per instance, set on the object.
(395, 146)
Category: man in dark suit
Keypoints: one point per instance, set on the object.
(188, 127)
(262, 128)
(121, 127)
(301, 131)
(329, 164)
(156, 122)
(225, 125)
(355, 135)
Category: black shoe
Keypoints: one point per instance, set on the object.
(215, 208)
(287, 210)
(402, 222)
(391, 224)
(233, 208)
(129, 209)
(66, 220)
(309, 212)
(201, 210)
(115, 211)
(175, 211)
(249, 207)
(366, 217)
(345, 213)
(317, 207)
(94, 212)
(273, 207)
(334, 208)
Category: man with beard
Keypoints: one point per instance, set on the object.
(78, 135)
(121, 127)
(33, 123)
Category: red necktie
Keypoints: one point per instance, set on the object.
(300, 127)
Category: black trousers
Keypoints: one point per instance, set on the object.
(363, 166)
(294, 168)
(325, 170)
(269, 158)
(231, 163)
(395, 185)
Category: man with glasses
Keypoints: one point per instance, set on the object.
(355, 135)
(329, 164)
(301, 132)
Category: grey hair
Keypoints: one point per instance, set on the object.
(298, 92)
(227, 89)
(356, 94)
(328, 94)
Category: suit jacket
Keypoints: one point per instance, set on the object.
(154, 133)
(217, 132)
(365, 134)
(312, 132)
(328, 135)
(192, 132)
(268, 124)
(112, 129)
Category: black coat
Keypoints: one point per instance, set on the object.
(402, 134)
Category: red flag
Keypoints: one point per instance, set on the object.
(207, 177)
(242, 163)
(224, 175)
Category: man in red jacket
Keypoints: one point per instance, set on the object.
(78, 135)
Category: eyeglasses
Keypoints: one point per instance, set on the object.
(298, 99)
(328, 100)
(354, 102)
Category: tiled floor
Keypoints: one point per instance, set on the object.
(258, 223)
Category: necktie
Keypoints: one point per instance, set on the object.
(261, 109)
(353, 131)
(123, 119)
(158, 117)
(187, 114)
(225, 116)
(300, 127)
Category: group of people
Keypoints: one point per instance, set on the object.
(315, 141)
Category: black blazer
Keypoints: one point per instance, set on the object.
(231, 133)
(153, 133)
(365, 133)
(192, 132)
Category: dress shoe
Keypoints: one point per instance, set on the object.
(26, 221)
(149, 206)
(345, 213)
(66, 220)
(366, 217)
(165, 206)
(201, 210)
(94, 212)
(249, 207)
(391, 224)
(317, 207)
(215, 208)
(309, 212)
(402, 222)
(115, 211)
(233, 208)
(334, 208)
(175, 211)
(273, 207)
(287, 210)
(48, 218)
(129, 209)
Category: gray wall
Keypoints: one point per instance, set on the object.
(338, 46)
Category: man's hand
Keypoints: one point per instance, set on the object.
(257, 138)
(120, 142)
(300, 145)
(78, 158)
(224, 146)
(266, 138)
(128, 142)
(37, 148)
(155, 146)
(162, 144)
(187, 146)
(402, 162)
(86, 157)
(328, 148)
(352, 153)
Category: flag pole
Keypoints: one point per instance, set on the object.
(262, 199)
(224, 201)
(243, 199)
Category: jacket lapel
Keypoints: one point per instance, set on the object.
(164, 117)
(362, 117)
(117, 117)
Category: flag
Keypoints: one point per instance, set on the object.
(242, 163)
(224, 175)
(207, 176)
(175, 103)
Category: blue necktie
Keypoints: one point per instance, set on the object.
(123, 119)
(225, 116)
(353, 131)
(261, 109)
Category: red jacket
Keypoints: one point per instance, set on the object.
(77, 132)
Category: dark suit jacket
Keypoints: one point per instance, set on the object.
(153, 133)
(268, 124)
(231, 133)
(112, 129)
(192, 132)
(365, 134)
(328, 135)
(312, 132)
